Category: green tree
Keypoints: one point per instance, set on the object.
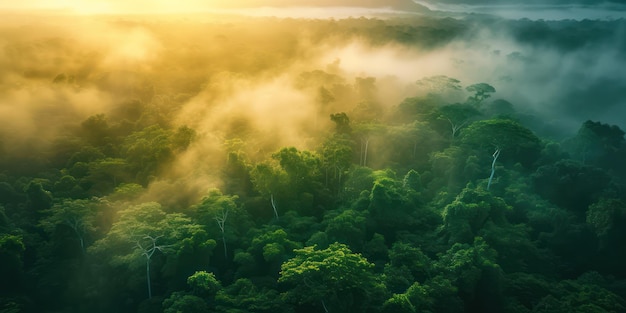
(270, 180)
(474, 271)
(245, 296)
(596, 142)
(607, 218)
(96, 131)
(39, 199)
(222, 217)
(606, 215)
(347, 227)
(102, 176)
(144, 230)
(302, 167)
(11, 257)
(200, 297)
(148, 150)
(417, 108)
(452, 169)
(472, 209)
(179, 302)
(481, 92)
(366, 132)
(408, 145)
(236, 172)
(85, 154)
(67, 187)
(182, 138)
(503, 135)
(458, 115)
(336, 158)
(578, 296)
(269, 248)
(342, 123)
(334, 278)
(582, 184)
(394, 208)
(204, 284)
(406, 265)
(291, 181)
(76, 217)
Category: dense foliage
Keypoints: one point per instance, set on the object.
(448, 200)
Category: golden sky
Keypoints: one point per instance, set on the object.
(165, 6)
(120, 6)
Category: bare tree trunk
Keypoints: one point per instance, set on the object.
(456, 127)
(75, 227)
(148, 277)
(326, 184)
(224, 243)
(361, 153)
(221, 222)
(148, 253)
(274, 206)
(367, 143)
(493, 167)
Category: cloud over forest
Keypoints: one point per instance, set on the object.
(274, 82)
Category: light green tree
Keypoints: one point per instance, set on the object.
(76, 216)
(221, 216)
(144, 230)
(334, 278)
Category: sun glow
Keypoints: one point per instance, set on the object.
(123, 7)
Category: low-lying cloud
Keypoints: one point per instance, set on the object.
(274, 82)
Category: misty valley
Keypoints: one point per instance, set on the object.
(422, 162)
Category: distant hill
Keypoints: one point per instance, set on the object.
(533, 2)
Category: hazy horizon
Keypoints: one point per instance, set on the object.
(554, 10)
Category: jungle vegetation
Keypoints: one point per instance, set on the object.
(239, 166)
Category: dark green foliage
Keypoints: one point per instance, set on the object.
(244, 296)
(407, 264)
(347, 227)
(474, 270)
(178, 302)
(600, 145)
(38, 198)
(342, 123)
(407, 145)
(202, 287)
(579, 296)
(481, 91)
(607, 219)
(470, 212)
(11, 257)
(571, 185)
